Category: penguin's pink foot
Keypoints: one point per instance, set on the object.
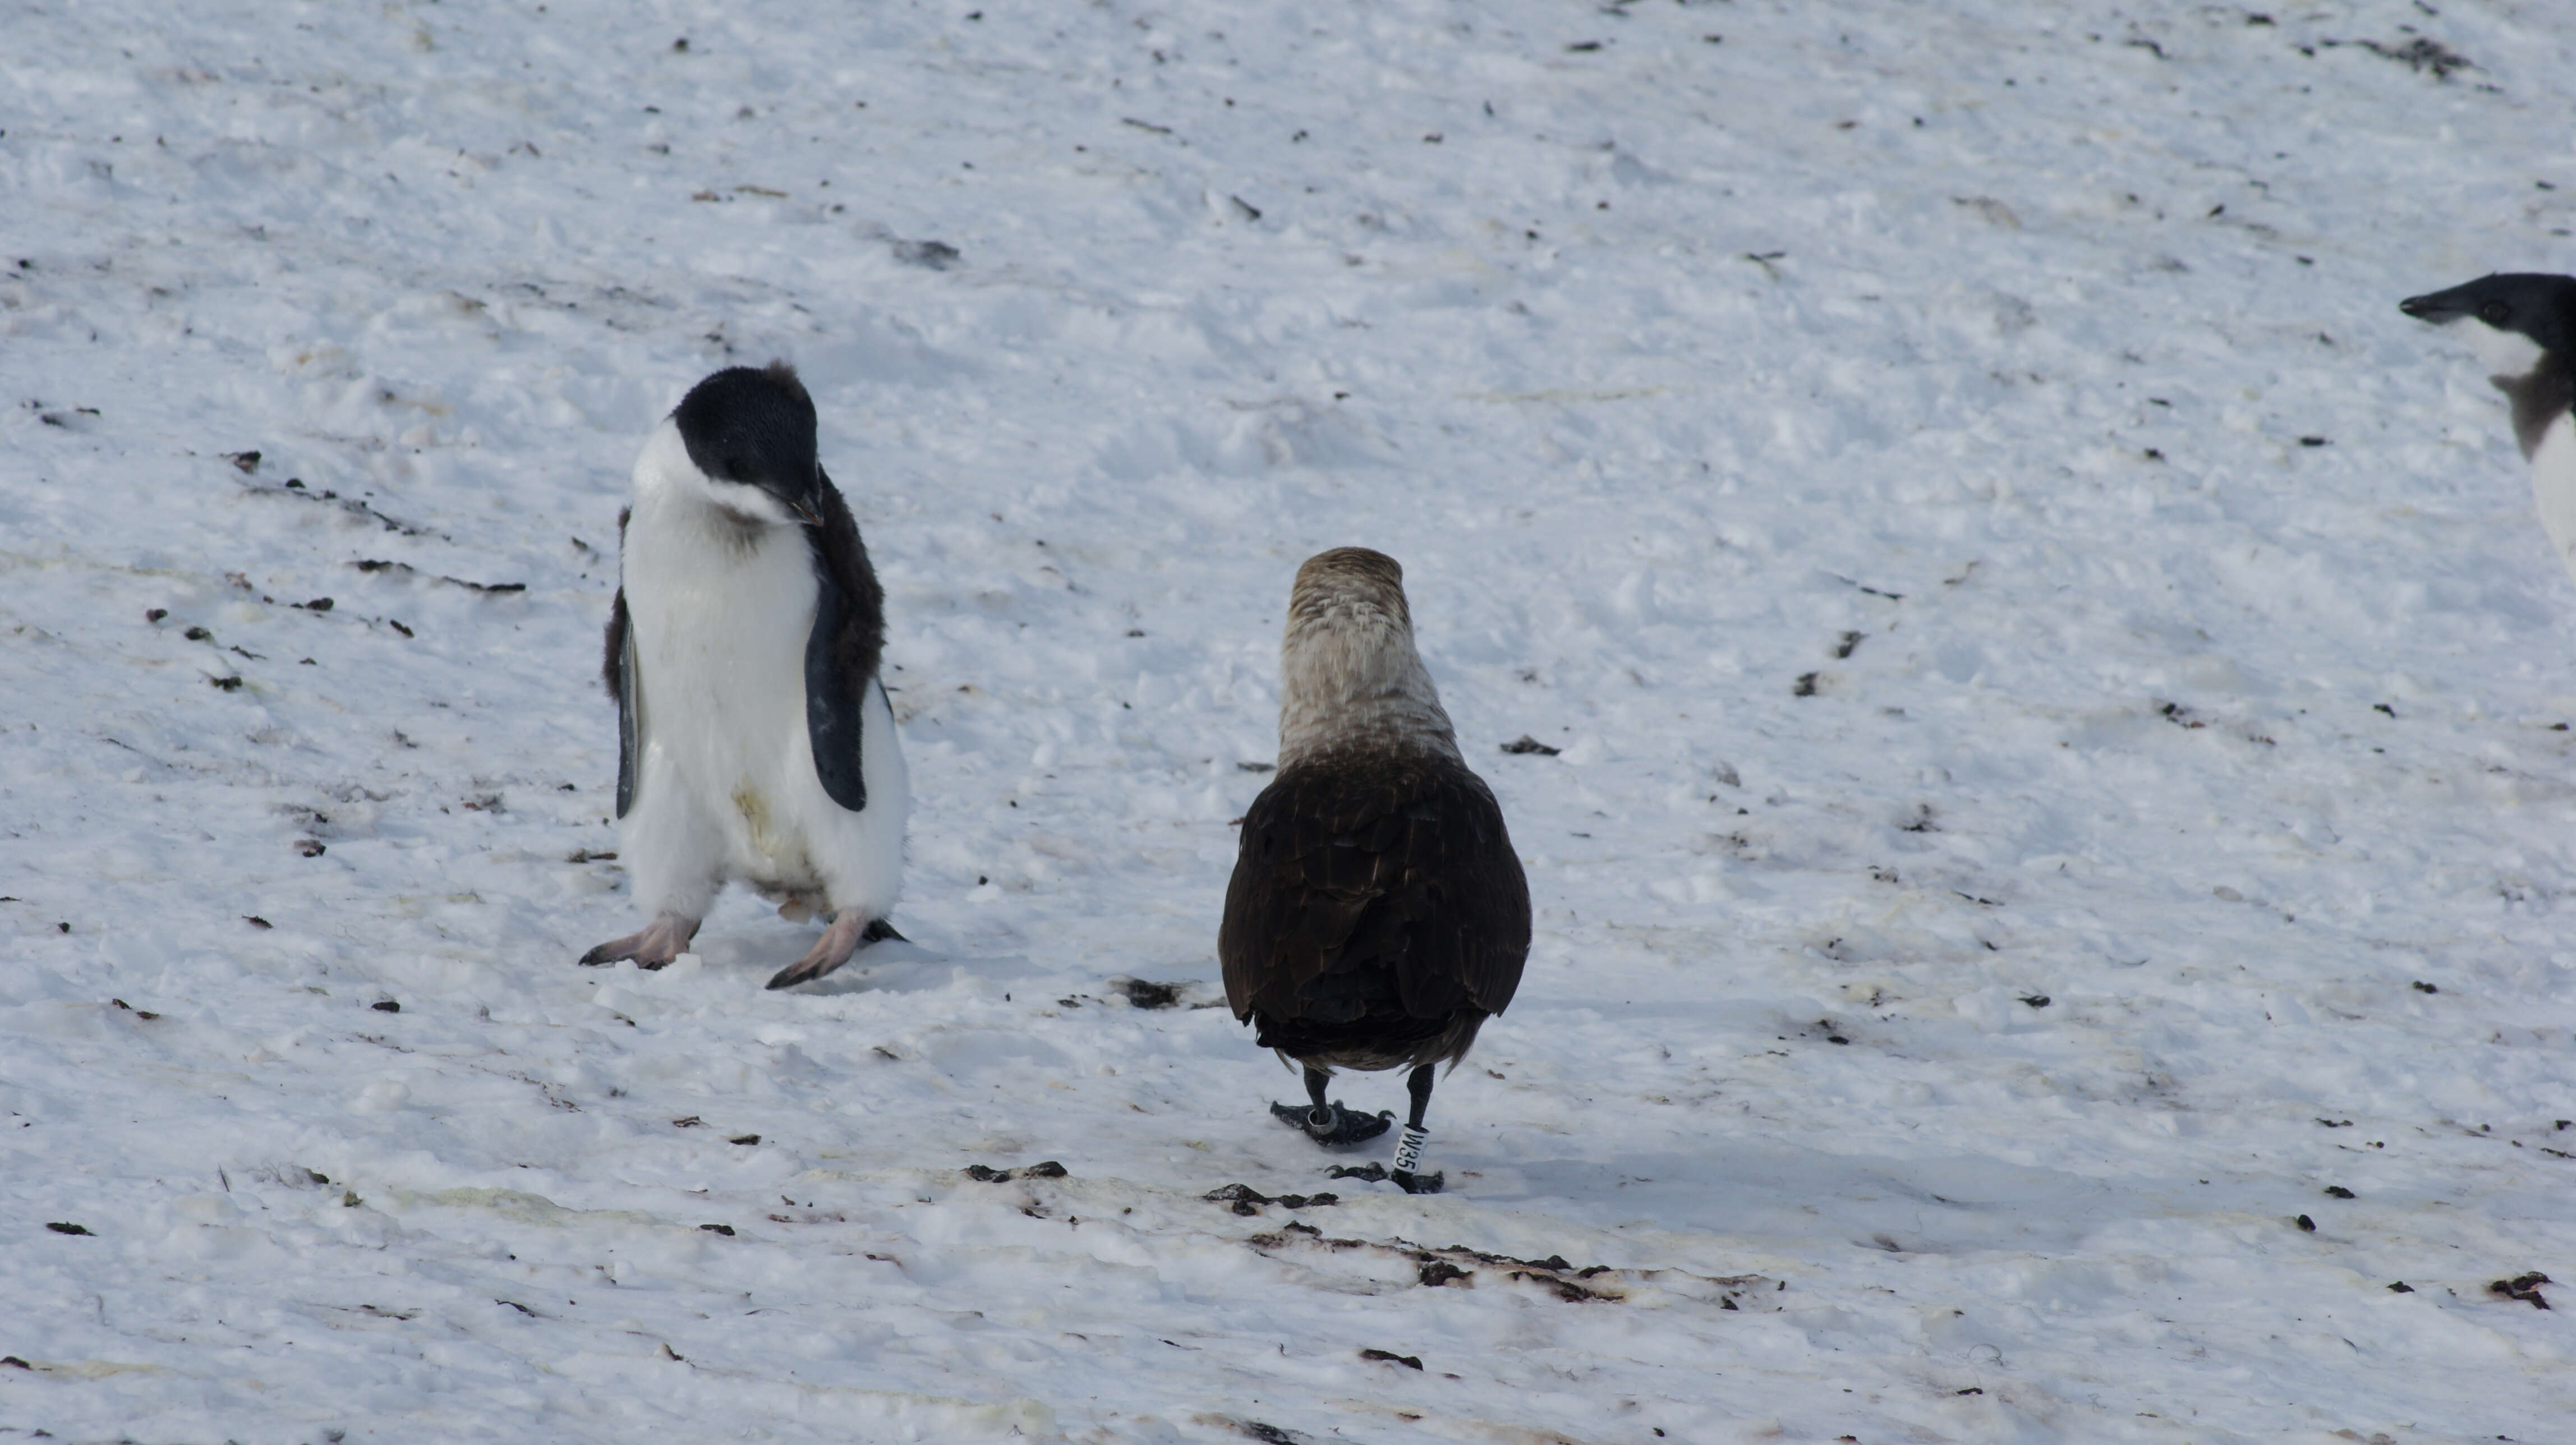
(850, 928)
(660, 941)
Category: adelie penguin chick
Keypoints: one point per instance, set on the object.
(2523, 328)
(754, 739)
(1377, 916)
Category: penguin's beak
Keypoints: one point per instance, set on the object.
(806, 514)
(2438, 307)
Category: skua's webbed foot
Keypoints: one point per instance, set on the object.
(1376, 1173)
(1333, 1125)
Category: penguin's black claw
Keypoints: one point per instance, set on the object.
(1415, 1183)
(1341, 1126)
(880, 931)
(812, 966)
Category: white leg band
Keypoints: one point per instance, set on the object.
(1408, 1149)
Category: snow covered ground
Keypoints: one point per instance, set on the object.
(2052, 896)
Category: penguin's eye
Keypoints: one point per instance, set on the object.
(2492, 313)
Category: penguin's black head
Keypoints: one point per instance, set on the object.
(755, 428)
(2540, 308)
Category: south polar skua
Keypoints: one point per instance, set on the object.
(1377, 915)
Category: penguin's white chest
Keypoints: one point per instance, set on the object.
(2553, 487)
(721, 614)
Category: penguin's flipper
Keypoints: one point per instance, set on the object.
(623, 681)
(834, 701)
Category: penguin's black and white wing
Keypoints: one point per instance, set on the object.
(845, 649)
(1359, 871)
(617, 669)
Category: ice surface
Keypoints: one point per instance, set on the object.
(1952, 481)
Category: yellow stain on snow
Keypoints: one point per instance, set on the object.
(512, 1204)
(1562, 396)
(93, 1369)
